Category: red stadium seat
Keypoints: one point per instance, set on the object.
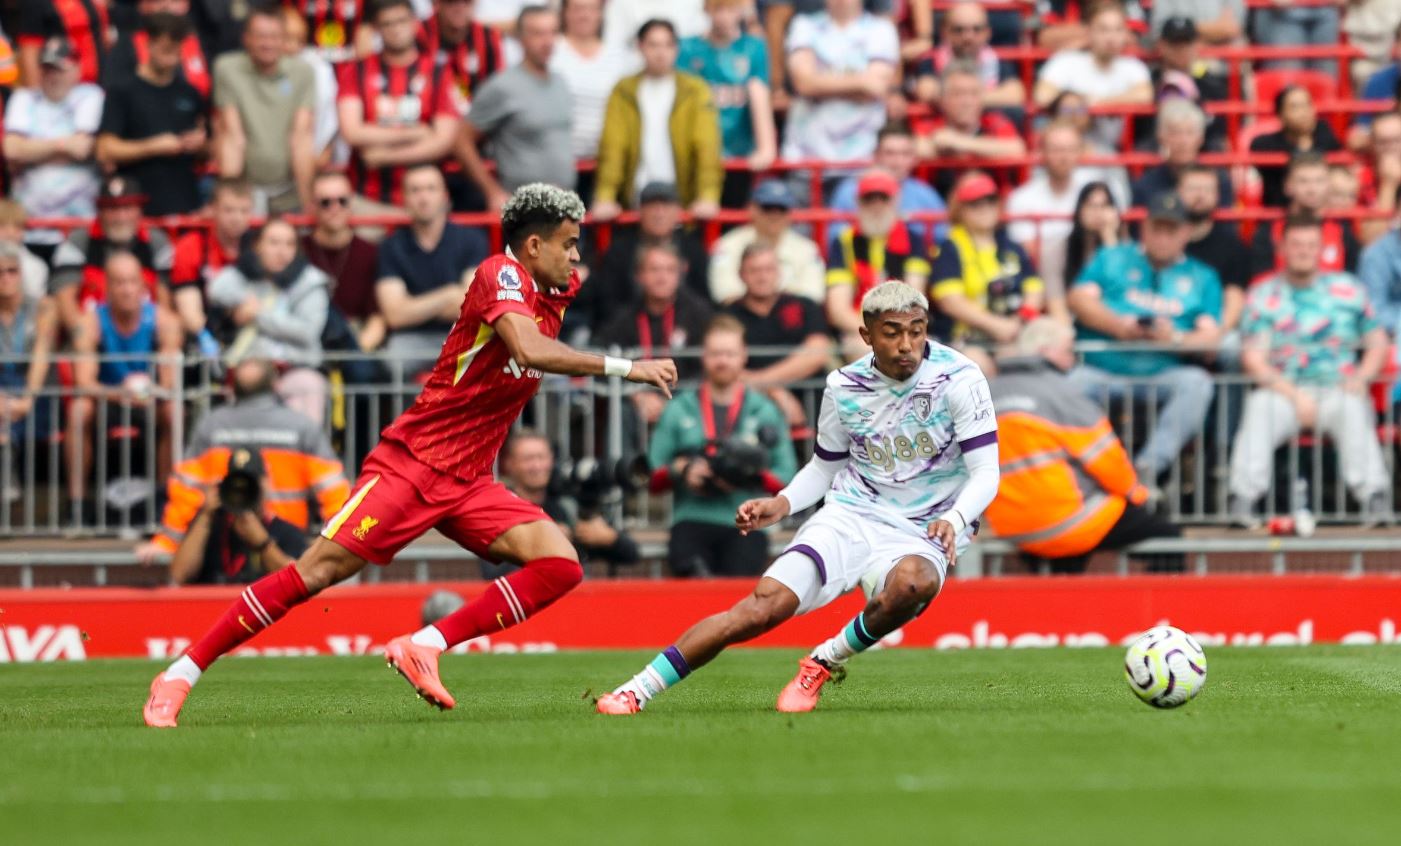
(1268, 84)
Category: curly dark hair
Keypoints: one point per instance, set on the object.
(538, 209)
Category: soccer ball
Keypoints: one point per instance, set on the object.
(1165, 667)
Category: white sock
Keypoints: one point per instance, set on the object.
(833, 651)
(184, 668)
(429, 636)
(644, 686)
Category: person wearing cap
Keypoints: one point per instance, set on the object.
(79, 278)
(1215, 21)
(879, 248)
(800, 269)
(235, 539)
(83, 24)
(983, 284)
(660, 126)
(895, 153)
(49, 134)
(613, 281)
(1181, 71)
(1151, 293)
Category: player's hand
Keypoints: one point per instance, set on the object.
(942, 532)
(658, 372)
(758, 514)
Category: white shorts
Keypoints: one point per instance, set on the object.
(841, 548)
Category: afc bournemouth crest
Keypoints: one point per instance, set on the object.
(924, 406)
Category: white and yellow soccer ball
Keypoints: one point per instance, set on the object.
(1165, 667)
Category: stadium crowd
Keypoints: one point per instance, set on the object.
(286, 183)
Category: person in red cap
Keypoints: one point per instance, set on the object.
(984, 286)
(877, 249)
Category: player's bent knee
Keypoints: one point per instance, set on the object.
(915, 581)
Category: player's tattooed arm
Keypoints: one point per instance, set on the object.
(531, 348)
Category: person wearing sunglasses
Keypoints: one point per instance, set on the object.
(350, 261)
(966, 37)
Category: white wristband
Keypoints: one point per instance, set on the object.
(956, 520)
(613, 366)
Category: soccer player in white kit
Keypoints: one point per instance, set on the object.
(906, 458)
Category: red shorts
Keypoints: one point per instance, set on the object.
(398, 498)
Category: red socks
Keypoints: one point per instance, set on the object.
(263, 603)
(509, 600)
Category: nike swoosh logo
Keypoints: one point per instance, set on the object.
(244, 623)
(500, 621)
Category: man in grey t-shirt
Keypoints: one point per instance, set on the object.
(265, 128)
(523, 115)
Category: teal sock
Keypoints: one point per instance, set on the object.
(668, 668)
(853, 639)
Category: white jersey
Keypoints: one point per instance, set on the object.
(904, 441)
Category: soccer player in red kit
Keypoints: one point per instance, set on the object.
(433, 466)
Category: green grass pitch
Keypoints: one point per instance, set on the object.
(1284, 746)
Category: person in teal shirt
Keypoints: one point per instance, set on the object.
(737, 67)
(1151, 294)
(704, 540)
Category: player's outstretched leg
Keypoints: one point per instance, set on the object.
(909, 588)
(769, 605)
(549, 569)
(260, 605)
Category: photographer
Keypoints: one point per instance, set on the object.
(716, 447)
(528, 467)
(234, 540)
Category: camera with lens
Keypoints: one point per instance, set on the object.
(738, 461)
(241, 489)
(593, 483)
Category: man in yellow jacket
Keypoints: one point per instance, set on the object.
(1068, 488)
(660, 126)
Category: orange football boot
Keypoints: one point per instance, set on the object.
(618, 703)
(419, 666)
(800, 696)
(167, 696)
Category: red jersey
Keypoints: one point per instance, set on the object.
(390, 96)
(331, 26)
(198, 259)
(471, 60)
(83, 22)
(476, 390)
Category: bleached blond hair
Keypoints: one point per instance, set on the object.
(892, 296)
(540, 207)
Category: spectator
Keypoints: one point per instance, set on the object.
(895, 154)
(200, 256)
(1345, 192)
(590, 67)
(1303, 328)
(397, 110)
(1151, 293)
(983, 285)
(1301, 132)
(664, 319)
(612, 284)
(349, 261)
(736, 66)
(1052, 190)
(1181, 136)
(1068, 488)
(1382, 85)
(695, 428)
(1103, 73)
(326, 146)
(841, 64)
(236, 538)
(424, 271)
(79, 277)
(527, 468)
(773, 319)
(133, 49)
(622, 19)
(277, 304)
(27, 334)
(1063, 22)
(964, 131)
(126, 325)
(337, 29)
(34, 271)
(1380, 271)
(84, 26)
(1181, 73)
(153, 122)
(800, 269)
(303, 471)
(1379, 180)
(1216, 21)
(1297, 26)
(1306, 189)
(472, 50)
(49, 132)
(660, 126)
(1215, 243)
(966, 39)
(877, 249)
(264, 130)
(522, 114)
